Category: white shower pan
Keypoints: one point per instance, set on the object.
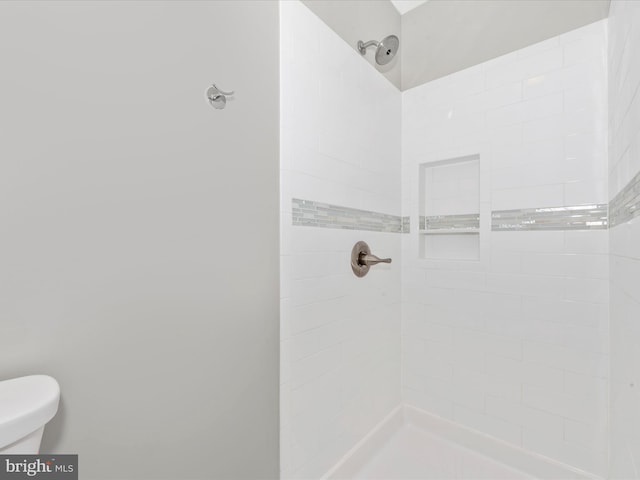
(413, 444)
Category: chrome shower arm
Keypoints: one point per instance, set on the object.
(362, 46)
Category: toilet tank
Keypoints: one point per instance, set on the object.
(26, 405)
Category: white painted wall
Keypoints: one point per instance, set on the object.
(340, 144)
(624, 164)
(515, 345)
(139, 231)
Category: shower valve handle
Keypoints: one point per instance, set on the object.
(370, 259)
(362, 259)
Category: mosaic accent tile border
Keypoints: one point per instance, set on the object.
(625, 205)
(578, 217)
(452, 223)
(308, 213)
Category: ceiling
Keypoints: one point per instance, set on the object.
(403, 6)
(440, 37)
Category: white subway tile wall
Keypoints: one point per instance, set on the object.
(340, 335)
(515, 344)
(624, 235)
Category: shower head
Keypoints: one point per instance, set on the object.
(385, 51)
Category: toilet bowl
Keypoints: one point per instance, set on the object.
(26, 405)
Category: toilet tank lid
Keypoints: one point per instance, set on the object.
(26, 404)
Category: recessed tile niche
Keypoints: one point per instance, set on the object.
(450, 209)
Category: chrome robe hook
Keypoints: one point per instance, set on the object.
(216, 97)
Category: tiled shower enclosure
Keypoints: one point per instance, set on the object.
(506, 195)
